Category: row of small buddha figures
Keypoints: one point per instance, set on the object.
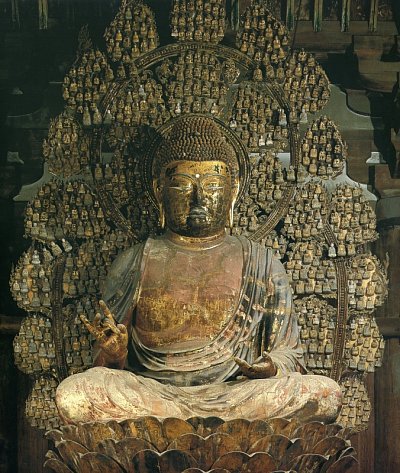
(154, 110)
(199, 21)
(88, 79)
(310, 273)
(141, 215)
(317, 321)
(356, 406)
(77, 340)
(34, 349)
(65, 149)
(131, 33)
(306, 215)
(34, 346)
(30, 282)
(353, 225)
(258, 119)
(308, 92)
(364, 345)
(311, 87)
(40, 406)
(259, 29)
(69, 221)
(366, 284)
(261, 49)
(322, 150)
(86, 269)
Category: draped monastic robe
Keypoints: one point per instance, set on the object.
(201, 380)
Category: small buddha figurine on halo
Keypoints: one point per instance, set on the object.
(197, 322)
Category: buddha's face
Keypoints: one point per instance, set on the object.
(196, 197)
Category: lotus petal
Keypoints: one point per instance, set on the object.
(345, 433)
(312, 433)
(119, 433)
(148, 428)
(205, 426)
(257, 430)
(52, 454)
(310, 463)
(241, 462)
(278, 424)
(174, 427)
(171, 461)
(275, 445)
(293, 451)
(124, 450)
(238, 429)
(348, 451)
(92, 433)
(284, 426)
(70, 432)
(330, 446)
(52, 464)
(205, 451)
(71, 452)
(346, 464)
(99, 463)
(54, 435)
(332, 429)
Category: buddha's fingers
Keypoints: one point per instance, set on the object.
(98, 334)
(97, 320)
(106, 311)
(122, 328)
(111, 326)
(243, 365)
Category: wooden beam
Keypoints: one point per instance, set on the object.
(389, 326)
(10, 325)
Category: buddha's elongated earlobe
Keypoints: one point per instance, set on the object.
(231, 215)
(231, 209)
(162, 216)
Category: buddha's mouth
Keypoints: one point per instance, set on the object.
(197, 215)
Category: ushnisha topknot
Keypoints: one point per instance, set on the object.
(195, 138)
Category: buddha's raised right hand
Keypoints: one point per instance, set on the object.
(112, 338)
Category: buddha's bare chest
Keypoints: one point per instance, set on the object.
(187, 298)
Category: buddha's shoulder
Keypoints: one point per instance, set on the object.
(127, 258)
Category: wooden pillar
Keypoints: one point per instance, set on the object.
(32, 445)
(235, 14)
(363, 442)
(387, 378)
(8, 405)
(345, 16)
(373, 16)
(290, 14)
(318, 14)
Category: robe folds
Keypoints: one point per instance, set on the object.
(201, 381)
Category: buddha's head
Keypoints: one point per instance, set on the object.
(197, 178)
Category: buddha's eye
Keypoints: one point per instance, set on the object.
(213, 187)
(181, 186)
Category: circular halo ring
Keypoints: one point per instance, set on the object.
(163, 130)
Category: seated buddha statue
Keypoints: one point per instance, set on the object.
(197, 322)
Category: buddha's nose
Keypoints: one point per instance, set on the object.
(198, 196)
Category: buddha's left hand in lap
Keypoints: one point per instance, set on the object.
(262, 368)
